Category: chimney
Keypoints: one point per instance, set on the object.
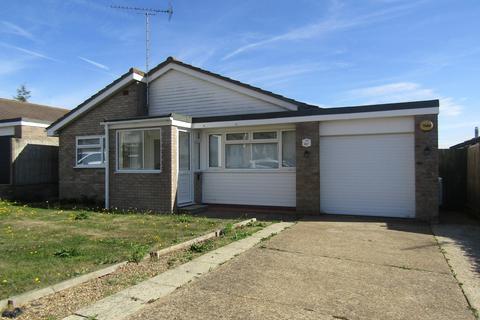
(476, 132)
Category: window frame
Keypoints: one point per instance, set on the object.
(221, 147)
(117, 152)
(86, 146)
(250, 141)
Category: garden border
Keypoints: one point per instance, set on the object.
(40, 293)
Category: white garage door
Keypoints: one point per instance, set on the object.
(368, 175)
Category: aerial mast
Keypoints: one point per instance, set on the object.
(147, 12)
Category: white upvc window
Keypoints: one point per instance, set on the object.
(214, 150)
(90, 152)
(267, 149)
(139, 150)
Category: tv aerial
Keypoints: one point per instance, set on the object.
(147, 12)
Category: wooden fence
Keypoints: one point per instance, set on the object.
(473, 180)
(460, 173)
(453, 171)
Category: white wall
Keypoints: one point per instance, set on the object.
(250, 188)
(178, 92)
(367, 126)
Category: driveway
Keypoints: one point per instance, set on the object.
(327, 270)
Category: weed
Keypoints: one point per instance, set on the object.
(200, 247)
(82, 215)
(240, 235)
(138, 251)
(228, 229)
(269, 237)
(183, 218)
(92, 317)
(66, 253)
(171, 262)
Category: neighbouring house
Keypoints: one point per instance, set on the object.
(198, 137)
(28, 157)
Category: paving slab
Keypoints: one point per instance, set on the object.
(293, 276)
(386, 243)
(194, 304)
(115, 306)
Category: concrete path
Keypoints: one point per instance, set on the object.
(327, 270)
(461, 246)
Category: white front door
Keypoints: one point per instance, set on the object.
(185, 176)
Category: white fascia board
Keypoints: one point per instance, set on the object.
(223, 83)
(144, 123)
(24, 123)
(7, 131)
(326, 117)
(96, 100)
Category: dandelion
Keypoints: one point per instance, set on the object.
(37, 280)
(4, 281)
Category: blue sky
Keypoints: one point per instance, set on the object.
(329, 53)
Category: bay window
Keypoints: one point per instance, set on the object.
(90, 152)
(139, 150)
(252, 150)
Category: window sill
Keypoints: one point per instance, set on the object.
(138, 171)
(283, 170)
(89, 167)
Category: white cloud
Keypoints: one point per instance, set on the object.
(406, 91)
(10, 28)
(281, 73)
(94, 63)
(331, 24)
(29, 52)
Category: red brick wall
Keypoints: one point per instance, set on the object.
(78, 183)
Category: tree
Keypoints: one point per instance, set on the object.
(23, 94)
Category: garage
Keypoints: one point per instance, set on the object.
(367, 167)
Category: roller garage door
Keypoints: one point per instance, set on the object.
(369, 174)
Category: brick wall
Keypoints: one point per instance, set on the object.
(78, 183)
(426, 170)
(145, 191)
(308, 168)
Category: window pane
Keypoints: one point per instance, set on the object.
(152, 150)
(264, 155)
(184, 150)
(237, 156)
(130, 146)
(89, 156)
(88, 141)
(288, 149)
(264, 135)
(214, 141)
(237, 136)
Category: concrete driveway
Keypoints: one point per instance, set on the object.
(327, 270)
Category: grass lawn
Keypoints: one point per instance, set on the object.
(40, 246)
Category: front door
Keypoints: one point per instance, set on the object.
(185, 177)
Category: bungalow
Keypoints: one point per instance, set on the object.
(28, 157)
(193, 136)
